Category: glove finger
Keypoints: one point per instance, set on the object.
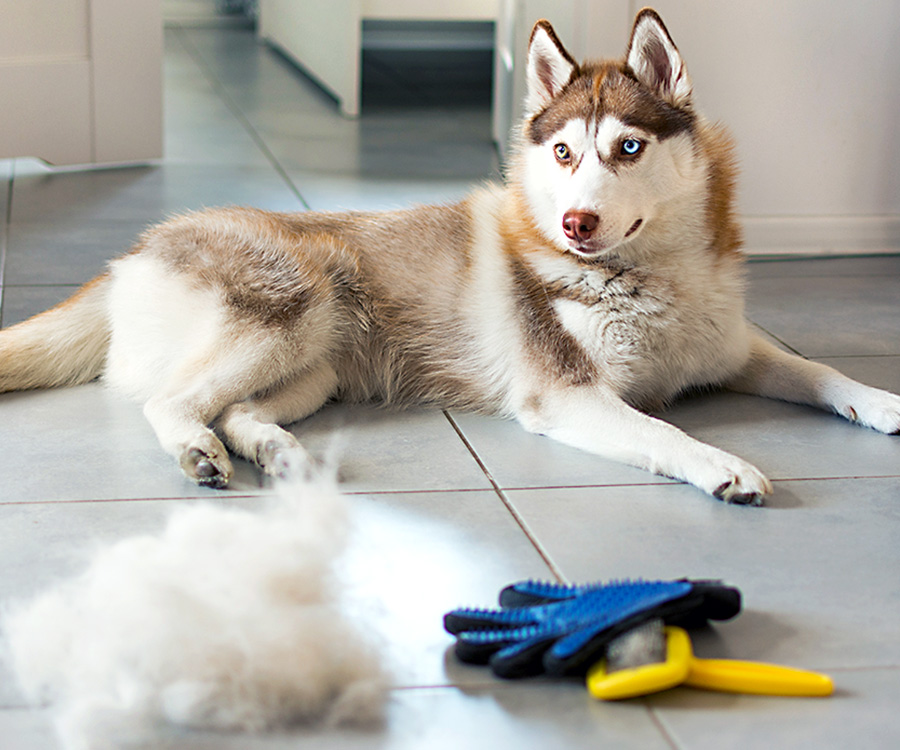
(477, 651)
(531, 592)
(465, 619)
(720, 602)
(519, 660)
(478, 646)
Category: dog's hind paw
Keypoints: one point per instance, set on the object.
(207, 467)
(284, 458)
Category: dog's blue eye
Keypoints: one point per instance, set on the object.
(630, 146)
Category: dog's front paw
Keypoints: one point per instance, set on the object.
(736, 482)
(874, 408)
(734, 492)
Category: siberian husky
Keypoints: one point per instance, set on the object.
(601, 281)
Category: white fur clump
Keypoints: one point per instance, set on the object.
(228, 620)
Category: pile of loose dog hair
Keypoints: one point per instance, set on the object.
(228, 620)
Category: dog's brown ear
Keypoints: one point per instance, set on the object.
(549, 68)
(655, 60)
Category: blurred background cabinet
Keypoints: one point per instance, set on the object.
(326, 38)
(81, 80)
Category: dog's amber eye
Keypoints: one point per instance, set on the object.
(563, 155)
(631, 147)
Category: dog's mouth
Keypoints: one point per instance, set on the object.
(595, 246)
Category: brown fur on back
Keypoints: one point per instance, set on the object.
(272, 266)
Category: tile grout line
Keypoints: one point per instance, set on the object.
(778, 339)
(511, 509)
(854, 356)
(660, 725)
(847, 478)
(221, 89)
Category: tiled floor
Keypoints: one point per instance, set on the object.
(454, 506)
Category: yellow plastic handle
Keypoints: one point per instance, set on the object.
(756, 678)
(647, 678)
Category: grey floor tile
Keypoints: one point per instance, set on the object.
(530, 717)
(545, 717)
(382, 450)
(66, 253)
(200, 125)
(6, 171)
(881, 265)
(329, 156)
(817, 569)
(830, 316)
(256, 77)
(87, 443)
(295, 124)
(21, 302)
(210, 134)
(146, 193)
(438, 148)
(862, 713)
(415, 556)
(24, 729)
(232, 55)
(332, 193)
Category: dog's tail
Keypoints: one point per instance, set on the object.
(65, 345)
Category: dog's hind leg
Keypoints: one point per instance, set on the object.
(777, 374)
(189, 349)
(251, 428)
(202, 388)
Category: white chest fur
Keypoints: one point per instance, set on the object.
(651, 333)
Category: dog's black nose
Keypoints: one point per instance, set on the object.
(580, 225)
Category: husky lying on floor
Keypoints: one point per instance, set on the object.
(603, 279)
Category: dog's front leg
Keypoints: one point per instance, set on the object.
(777, 374)
(596, 420)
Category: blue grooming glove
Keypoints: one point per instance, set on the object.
(546, 628)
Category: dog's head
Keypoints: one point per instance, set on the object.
(604, 146)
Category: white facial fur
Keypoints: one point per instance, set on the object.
(619, 192)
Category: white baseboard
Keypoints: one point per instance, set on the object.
(805, 236)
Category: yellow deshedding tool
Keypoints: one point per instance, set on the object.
(679, 666)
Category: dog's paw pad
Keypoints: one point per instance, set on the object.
(743, 485)
(728, 493)
(284, 458)
(206, 468)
